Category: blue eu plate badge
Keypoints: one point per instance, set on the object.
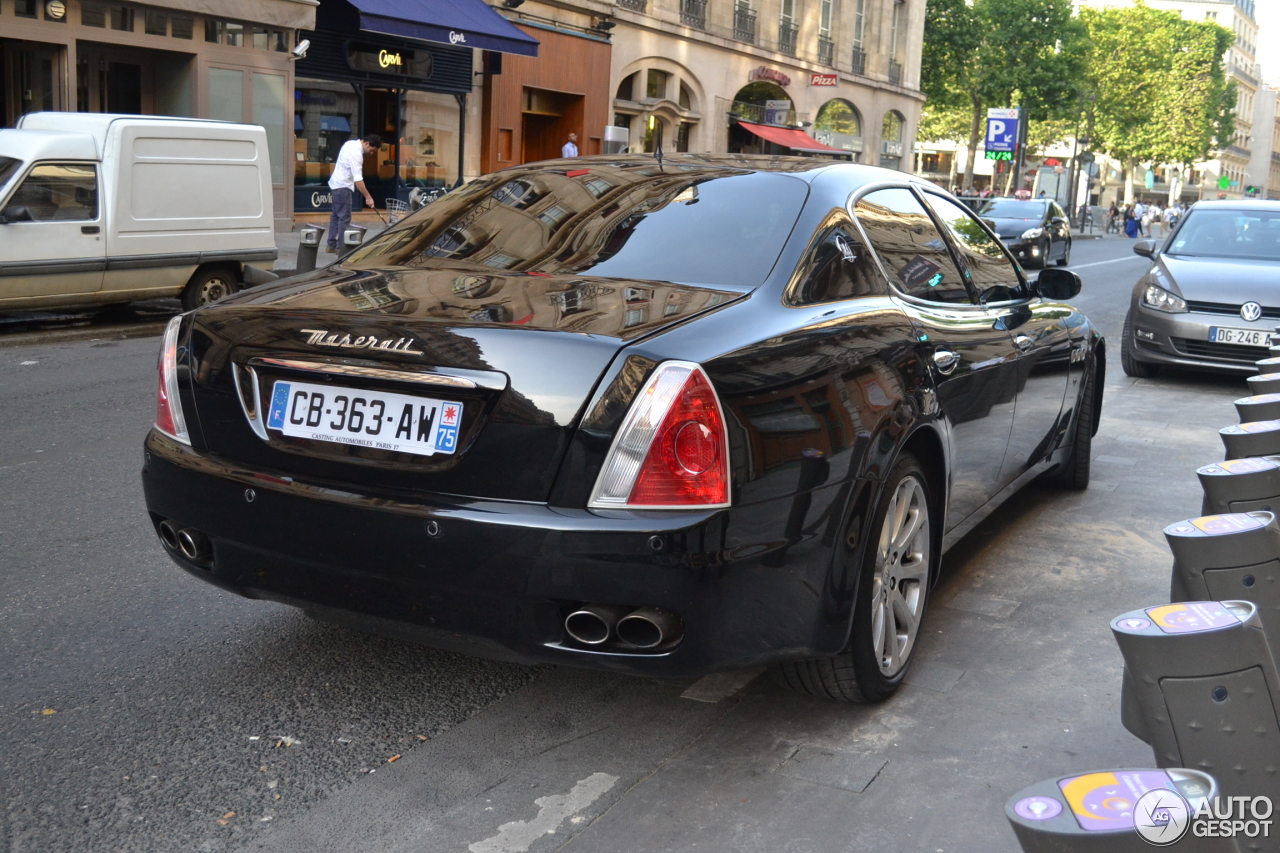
(279, 401)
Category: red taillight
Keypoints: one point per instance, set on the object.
(671, 450)
(169, 419)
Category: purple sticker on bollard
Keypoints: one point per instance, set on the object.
(1192, 616)
(1103, 802)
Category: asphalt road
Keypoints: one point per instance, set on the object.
(141, 709)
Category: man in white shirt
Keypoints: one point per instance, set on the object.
(570, 148)
(1138, 210)
(347, 177)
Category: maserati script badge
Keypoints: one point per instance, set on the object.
(325, 338)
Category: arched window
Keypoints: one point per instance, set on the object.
(839, 116)
(892, 129)
(891, 147)
(626, 89)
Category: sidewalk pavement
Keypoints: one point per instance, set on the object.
(287, 242)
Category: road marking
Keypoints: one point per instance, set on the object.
(1100, 263)
(719, 685)
(518, 836)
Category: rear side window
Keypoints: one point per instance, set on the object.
(909, 245)
(837, 267)
(991, 274)
(8, 168)
(688, 224)
(59, 192)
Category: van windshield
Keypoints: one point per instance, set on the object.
(8, 168)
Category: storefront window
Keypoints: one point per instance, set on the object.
(324, 116)
(226, 32)
(429, 148)
(226, 94)
(268, 111)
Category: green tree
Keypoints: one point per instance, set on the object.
(1160, 93)
(1001, 53)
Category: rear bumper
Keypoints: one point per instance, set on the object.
(496, 578)
(1182, 340)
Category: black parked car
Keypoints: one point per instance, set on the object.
(1035, 231)
(666, 418)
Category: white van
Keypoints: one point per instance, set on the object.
(104, 209)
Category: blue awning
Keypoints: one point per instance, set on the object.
(338, 124)
(465, 23)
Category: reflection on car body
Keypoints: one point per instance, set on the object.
(714, 413)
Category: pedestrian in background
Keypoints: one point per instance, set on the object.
(1130, 222)
(1155, 220)
(570, 148)
(1139, 210)
(347, 177)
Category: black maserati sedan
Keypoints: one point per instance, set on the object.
(665, 416)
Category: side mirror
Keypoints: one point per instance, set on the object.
(1057, 284)
(1146, 248)
(17, 213)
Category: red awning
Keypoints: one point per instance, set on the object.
(789, 137)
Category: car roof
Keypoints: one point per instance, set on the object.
(805, 168)
(1237, 204)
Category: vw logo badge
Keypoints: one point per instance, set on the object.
(1250, 311)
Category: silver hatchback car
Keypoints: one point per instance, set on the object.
(1211, 298)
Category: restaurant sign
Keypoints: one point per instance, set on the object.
(771, 74)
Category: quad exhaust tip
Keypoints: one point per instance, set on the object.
(644, 628)
(169, 535)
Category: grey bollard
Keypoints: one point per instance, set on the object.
(1240, 485)
(1264, 383)
(1227, 557)
(352, 237)
(309, 237)
(1200, 686)
(1262, 407)
(1101, 812)
(1256, 438)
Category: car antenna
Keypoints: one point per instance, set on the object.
(657, 153)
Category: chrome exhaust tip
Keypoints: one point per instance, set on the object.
(592, 624)
(649, 628)
(169, 535)
(193, 544)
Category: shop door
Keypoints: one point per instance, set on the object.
(548, 119)
(124, 88)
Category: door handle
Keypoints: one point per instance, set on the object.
(1024, 343)
(946, 361)
(89, 229)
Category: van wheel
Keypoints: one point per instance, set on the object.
(207, 286)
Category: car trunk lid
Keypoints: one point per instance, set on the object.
(506, 361)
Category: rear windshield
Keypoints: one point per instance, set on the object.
(1008, 208)
(684, 223)
(8, 168)
(1229, 234)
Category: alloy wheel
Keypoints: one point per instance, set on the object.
(901, 579)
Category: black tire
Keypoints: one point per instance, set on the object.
(1129, 363)
(1075, 474)
(208, 285)
(1066, 255)
(861, 673)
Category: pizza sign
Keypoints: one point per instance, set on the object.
(823, 79)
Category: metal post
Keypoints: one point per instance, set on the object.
(1200, 686)
(308, 245)
(462, 136)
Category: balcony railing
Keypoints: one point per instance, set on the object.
(693, 13)
(634, 5)
(787, 33)
(744, 23)
(895, 71)
(859, 61)
(826, 51)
